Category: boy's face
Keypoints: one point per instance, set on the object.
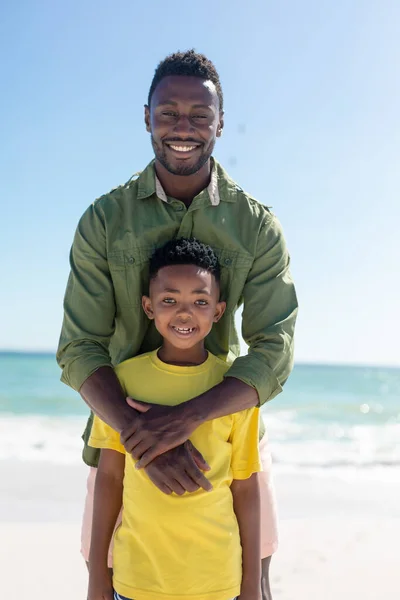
(184, 303)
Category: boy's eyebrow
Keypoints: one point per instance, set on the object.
(202, 291)
(198, 291)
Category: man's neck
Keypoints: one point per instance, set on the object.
(184, 187)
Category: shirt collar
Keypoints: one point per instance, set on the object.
(149, 184)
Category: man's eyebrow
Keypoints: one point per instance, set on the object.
(173, 103)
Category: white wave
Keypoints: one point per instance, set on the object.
(317, 447)
(41, 438)
(332, 446)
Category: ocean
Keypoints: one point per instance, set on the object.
(329, 419)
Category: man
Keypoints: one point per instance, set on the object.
(184, 192)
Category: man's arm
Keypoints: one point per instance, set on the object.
(107, 505)
(246, 504)
(269, 315)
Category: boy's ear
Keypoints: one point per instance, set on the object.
(219, 311)
(146, 305)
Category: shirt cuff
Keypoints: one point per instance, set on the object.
(79, 369)
(252, 370)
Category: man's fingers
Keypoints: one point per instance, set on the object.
(146, 457)
(139, 450)
(139, 406)
(131, 441)
(187, 482)
(127, 433)
(176, 486)
(162, 486)
(200, 479)
(197, 457)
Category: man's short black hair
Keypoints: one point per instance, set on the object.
(188, 63)
(184, 251)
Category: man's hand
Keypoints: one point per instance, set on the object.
(157, 430)
(178, 470)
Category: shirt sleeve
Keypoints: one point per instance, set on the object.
(89, 305)
(105, 437)
(269, 316)
(244, 440)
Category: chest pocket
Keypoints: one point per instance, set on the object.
(235, 267)
(129, 270)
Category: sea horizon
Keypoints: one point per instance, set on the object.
(299, 363)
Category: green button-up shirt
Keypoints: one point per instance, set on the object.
(104, 323)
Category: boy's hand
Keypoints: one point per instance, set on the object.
(157, 430)
(100, 587)
(250, 592)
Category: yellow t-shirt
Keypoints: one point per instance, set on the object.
(186, 547)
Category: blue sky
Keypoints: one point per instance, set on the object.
(312, 127)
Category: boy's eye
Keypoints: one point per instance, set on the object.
(169, 300)
(202, 302)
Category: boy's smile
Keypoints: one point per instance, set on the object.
(184, 303)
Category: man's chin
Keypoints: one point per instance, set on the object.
(182, 169)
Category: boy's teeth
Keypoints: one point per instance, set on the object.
(184, 329)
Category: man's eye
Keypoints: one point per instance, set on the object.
(169, 300)
(199, 117)
(168, 113)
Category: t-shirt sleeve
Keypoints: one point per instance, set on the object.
(244, 440)
(104, 436)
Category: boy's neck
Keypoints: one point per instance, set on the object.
(188, 357)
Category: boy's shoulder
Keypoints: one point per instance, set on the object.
(133, 363)
(218, 363)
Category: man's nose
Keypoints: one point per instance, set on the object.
(183, 125)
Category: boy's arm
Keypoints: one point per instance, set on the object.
(246, 504)
(107, 505)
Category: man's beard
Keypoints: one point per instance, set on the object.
(181, 169)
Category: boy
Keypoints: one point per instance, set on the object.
(198, 546)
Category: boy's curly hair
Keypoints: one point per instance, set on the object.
(184, 251)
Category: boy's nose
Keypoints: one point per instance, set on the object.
(184, 312)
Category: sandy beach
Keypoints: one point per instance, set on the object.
(338, 538)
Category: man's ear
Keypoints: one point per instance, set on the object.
(220, 124)
(219, 311)
(147, 307)
(147, 118)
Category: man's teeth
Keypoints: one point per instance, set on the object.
(183, 148)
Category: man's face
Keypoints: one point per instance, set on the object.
(184, 120)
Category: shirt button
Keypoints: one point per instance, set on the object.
(178, 207)
(228, 261)
(131, 260)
